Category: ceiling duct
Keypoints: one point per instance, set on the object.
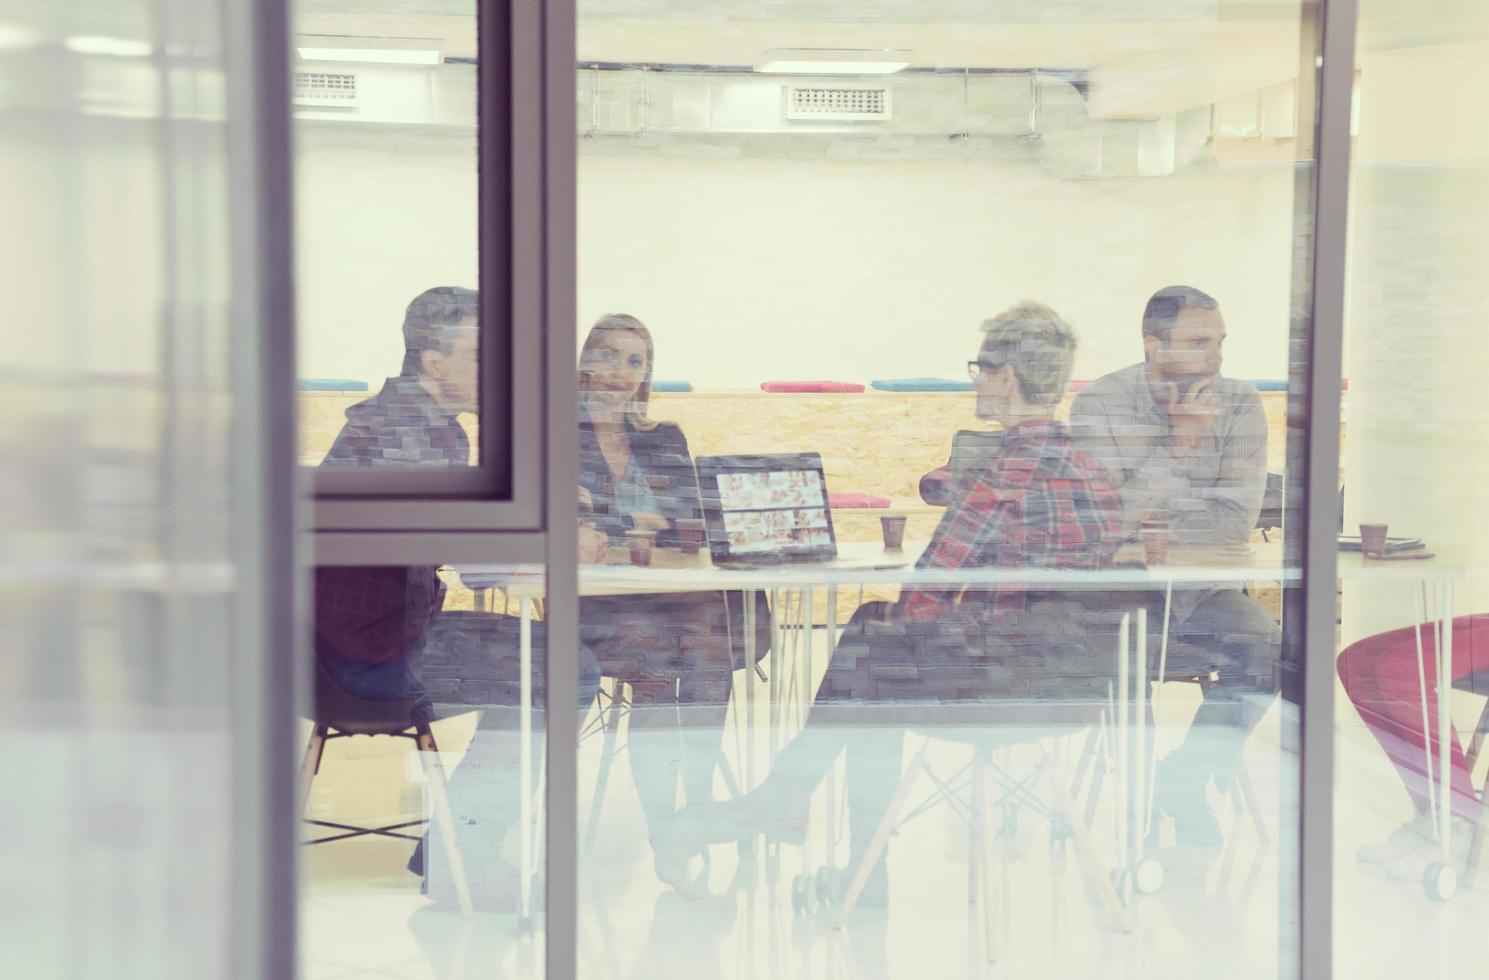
(326, 89)
(838, 102)
(1046, 108)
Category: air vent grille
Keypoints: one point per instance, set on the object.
(331, 88)
(835, 102)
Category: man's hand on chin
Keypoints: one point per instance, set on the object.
(1191, 416)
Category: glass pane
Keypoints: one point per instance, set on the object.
(407, 838)
(132, 795)
(386, 235)
(934, 388)
(1414, 671)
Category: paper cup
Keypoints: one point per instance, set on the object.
(893, 528)
(640, 545)
(690, 535)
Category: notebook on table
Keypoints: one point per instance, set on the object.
(1351, 542)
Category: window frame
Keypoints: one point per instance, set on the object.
(504, 491)
(529, 139)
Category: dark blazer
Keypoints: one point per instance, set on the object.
(661, 455)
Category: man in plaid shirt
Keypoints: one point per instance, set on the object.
(1037, 501)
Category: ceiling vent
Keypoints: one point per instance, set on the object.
(837, 102)
(326, 89)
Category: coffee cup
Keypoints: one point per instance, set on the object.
(640, 545)
(689, 535)
(1373, 539)
(893, 528)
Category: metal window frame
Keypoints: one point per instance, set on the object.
(1336, 22)
(544, 451)
(270, 679)
(505, 491)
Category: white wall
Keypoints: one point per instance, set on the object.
(766, 267)
(802, 260)
(382, 213)
(1417, 455)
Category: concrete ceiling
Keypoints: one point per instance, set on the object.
(1144, 57)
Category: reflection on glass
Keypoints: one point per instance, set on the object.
(1410, 819)
(417, 651)
(413, 420)
(984, 620)
(673, 652)
(385, 203)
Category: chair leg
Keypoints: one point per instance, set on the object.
(1476, 848)
(1247, 791)
(618, 704)
(314, 749)
(1084, 844)
(440, 801)
(1476, 744)
(875, 851)
(1088, 758)
(1481, 829)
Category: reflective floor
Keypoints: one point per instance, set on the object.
(1217, 913)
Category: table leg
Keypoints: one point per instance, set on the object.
(524, 761)
(749, 688)
(1168, 606)
(1124, 743)
(1444, 721)
(777, 658)
(1420, 601)
(1140, 750)
(831, 842)
(808, 623)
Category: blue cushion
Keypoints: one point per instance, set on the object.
(671, 386)
(332, 384)
(1270, 385)
(921, 384)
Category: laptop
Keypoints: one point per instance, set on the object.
(770, 510)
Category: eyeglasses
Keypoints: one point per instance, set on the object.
(976, 369)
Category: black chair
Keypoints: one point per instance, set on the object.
(339, 714)
(1270, 517)
(1477, 684)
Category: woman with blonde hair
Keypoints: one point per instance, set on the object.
(674, 651)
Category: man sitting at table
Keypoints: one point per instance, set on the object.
(1182, 441)
(381, 632)
(1038, 502)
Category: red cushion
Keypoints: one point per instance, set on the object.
(856, 499)
(809, 386)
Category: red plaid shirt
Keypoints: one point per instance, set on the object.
(1041, 502)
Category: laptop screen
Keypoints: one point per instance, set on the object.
(767, 508)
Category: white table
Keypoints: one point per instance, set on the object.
(1431, 582)
(674, 572)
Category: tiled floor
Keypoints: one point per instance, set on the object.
(1222, 915)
